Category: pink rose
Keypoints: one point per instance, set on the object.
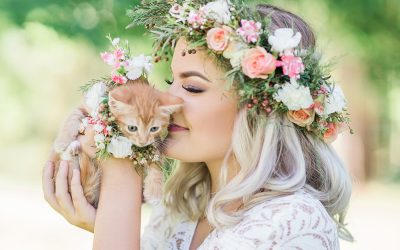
(119, 54)
(119, 79)
(108, 58)
(218, 38)
(331, 133)
(291, 65)
(258, 63)
(249, 30)
(196, 19)
(302, 117)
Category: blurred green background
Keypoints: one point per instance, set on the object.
(48, 48)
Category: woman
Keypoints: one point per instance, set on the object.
(249, 176)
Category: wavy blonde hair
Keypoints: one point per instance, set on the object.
(275, 159)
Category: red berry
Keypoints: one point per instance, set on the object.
(255, 100)
(249, 105)
(265, 102)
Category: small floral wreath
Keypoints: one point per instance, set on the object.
(108, 138)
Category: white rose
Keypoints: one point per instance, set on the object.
(120, 147)
(283, 39)
(137, 65)
(335, 102)
(95, 96)
(218, 11)
(294, 96)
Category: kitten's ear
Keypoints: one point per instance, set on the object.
(168, 99)
(169, 109)
(169, 103)
(117, 106)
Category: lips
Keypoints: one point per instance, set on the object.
(172, 127)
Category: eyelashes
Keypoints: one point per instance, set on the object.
(192, 89)
(189, 88)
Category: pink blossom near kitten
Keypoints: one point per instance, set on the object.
(142, 114)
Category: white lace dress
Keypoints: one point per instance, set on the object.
(296, 221)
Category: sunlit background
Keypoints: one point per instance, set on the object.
(49, 48)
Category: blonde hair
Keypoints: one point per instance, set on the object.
(275, 159)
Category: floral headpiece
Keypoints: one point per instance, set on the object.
(270, 71)
(108, 138)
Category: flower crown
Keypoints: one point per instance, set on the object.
(270, 71)
(108, 138)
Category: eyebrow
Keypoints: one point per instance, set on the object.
(193, 73)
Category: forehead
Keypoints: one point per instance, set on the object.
(200, 62)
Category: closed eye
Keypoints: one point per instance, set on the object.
(188, 87)
(192, 89)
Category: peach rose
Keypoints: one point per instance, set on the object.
(302, 117)
(258, 63)
(331, 134)
(218, 38)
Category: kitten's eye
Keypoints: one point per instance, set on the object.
(132, 128)
(154, 129)
(192, 89)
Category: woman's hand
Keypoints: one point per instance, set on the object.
(73, 206)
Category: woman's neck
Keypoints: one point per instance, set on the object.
(215, 168)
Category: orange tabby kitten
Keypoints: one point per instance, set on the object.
(142, 114)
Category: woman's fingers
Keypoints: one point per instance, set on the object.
(84, 210)
(62, 195)
(78, 197)
(48, 185)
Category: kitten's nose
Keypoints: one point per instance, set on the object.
(142, 142)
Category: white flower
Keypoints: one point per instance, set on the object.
(137, 65)
(95, 96)
(120, 147)
(156, 157)
(218, 11)
(178, 12)
(85, 122)
(98, 128)
(99, 141)
(235, 52)
(283, 39)
(335, 102)
(115, 41)
(294, 96)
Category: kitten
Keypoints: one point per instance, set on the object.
(142, 114)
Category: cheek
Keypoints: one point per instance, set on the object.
(211, 122)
